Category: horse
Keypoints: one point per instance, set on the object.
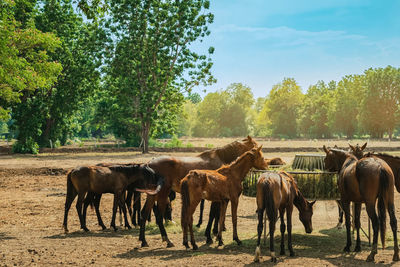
(358, 152)
(214, 208)
(365, 181)
(279, 192)
(112, 179)
(393, 162)
(221, 185)
(173, 169)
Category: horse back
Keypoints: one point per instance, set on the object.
(275, 189)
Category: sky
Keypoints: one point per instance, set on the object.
(260, 42)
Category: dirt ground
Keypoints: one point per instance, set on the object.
(32, 208)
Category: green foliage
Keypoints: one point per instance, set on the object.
(152, 58)
(225, 113)
(25, 65)
(28, 146)
(284, 103)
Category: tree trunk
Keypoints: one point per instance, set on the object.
(45, 138)
(145, 137)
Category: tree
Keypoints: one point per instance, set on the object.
(314, 120)
(348, 97)
(54, 110)
(153, 60)
(25, 66)
(380, 105)
(284, 102)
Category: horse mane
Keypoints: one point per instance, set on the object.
(226, 153)
(226, 167)
(127, 170)
(291, 180)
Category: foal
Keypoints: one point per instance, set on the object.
(222, 185)
(97, 180)
(278, 192)
(365, 181)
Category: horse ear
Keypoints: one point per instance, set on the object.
(325, 149)
(313, 202)
(352, 148)
(364, 146)
(259, 148)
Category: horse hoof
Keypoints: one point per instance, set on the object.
(238, 241)
(273, 259)
(282, 252)
(370, 258)
(170, 245)
(198, 225)
(357, 249)
(129, 227)
(85, 229)
(144, 244)
(186, 244)
(396, 257)
(346, 249)
(220, 243)
(195, 247)
(103, 227)
(224, 229)
(209, 241)
(292, 254)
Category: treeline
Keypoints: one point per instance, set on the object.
(366, 104)
(73, 69)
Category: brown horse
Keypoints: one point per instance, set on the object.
(393, 162)
(278, 192)
(365, 181)
(358, 152)
(222, 185)
(112, 179)
(275, 161)
(175, 168)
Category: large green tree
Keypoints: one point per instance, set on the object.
(314, 112)
(153, 60)
(54, 110)
(380, 102)
(284, 102)
(25, 66)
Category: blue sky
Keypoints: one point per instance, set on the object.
(260, 42)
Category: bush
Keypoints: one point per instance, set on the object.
(29, 146)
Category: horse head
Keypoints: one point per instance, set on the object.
(357, 150)
(149, 180)
(259, 161)
(305, 215)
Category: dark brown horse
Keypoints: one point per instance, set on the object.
(365, 181)
(173, 169)
(358, 152)
(278, 192)
(221, 185)
(393, 162)
(113, 179)
(275, 161)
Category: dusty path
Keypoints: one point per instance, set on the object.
(31, 213)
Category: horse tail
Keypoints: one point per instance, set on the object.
(269, 203)
(71, 191)
(383, 187)
(185, 200)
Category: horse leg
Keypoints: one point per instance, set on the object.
(234, 205)
(71, 194)
(217, 212)
(346, 209)
(211, 218)
(96, 201)
(221, 221)
(357, 209)
(393, 225)
(122, 202)
(283, 228)
(143, 217)
(260, 227)
(289, 211)
(201, 213)
(192, 208)
(128, 202)
(272, 222)
(114, 211)
(375, 226)
(136, 208)
(159, 213)
(340, 210)
(79, 203)
(88, 200)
